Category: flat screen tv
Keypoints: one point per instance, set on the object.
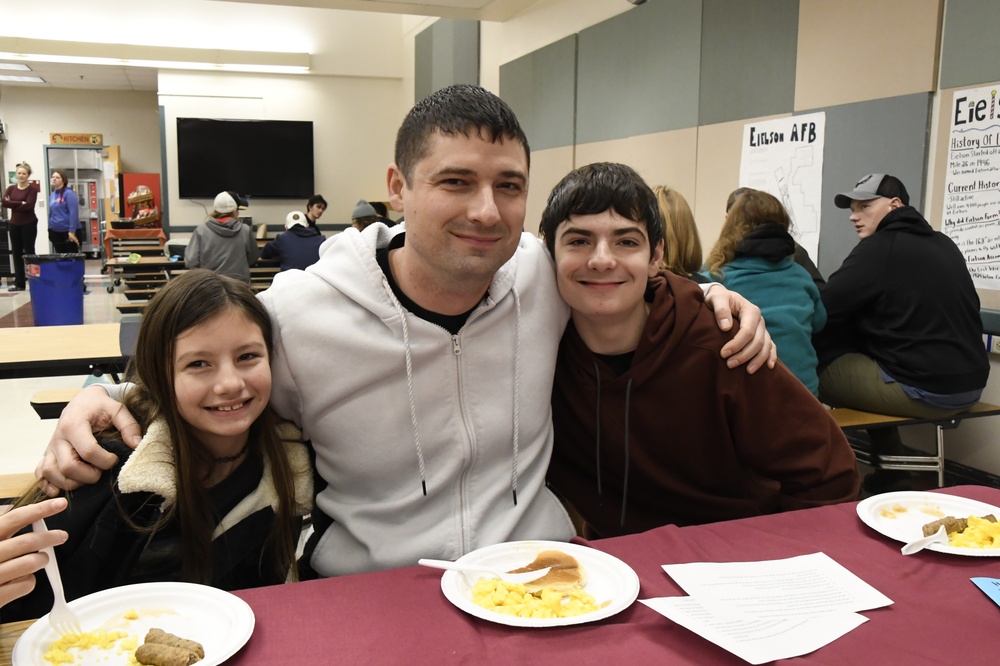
(267, 159)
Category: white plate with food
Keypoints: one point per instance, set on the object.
(218, 620)
(902, 515)
(612, 583)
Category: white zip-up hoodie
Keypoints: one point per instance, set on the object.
(394, 404)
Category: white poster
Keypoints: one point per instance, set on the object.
(784, 157)
(972, 184)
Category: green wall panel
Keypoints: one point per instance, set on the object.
(445, 53)
(970, 46)
(637, 73)
(748, 54)
(880, 136)
(541, 88)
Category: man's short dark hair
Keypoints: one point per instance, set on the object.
(316, 199)
(459, 109)
(598, 187)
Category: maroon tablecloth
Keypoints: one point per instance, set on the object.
(401, 617)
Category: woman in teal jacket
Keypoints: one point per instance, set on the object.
(753, 256)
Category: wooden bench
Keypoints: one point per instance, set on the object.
(139, 294)
(130, 307)
(145, 283)
(853, 419)
(144, 250)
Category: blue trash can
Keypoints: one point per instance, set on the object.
(55, 283)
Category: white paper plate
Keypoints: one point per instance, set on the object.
(218, 620)
(902, 515)
(608, 579)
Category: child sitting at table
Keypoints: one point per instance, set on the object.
(215, 491)
(651, 426)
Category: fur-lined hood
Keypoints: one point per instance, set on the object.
(150, 469)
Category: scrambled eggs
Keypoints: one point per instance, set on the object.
(979, 534)
(120, 641)
(513, 599)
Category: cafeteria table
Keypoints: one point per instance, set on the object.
(52, 351)
(118, 267)
(400, 616)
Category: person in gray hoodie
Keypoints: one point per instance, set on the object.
(223, 243)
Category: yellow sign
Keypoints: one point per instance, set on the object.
(77, 139)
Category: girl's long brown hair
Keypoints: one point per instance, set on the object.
(682, 245)
(747, 209)
(187, 301)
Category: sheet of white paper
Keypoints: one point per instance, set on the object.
(757, 641)
(795, 587)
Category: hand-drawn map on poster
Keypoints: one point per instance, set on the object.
(784, 157)
(972, 185)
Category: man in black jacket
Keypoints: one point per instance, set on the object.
(903, 333)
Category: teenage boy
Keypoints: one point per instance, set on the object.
(651, 426)
(419, 359)
(314, 209)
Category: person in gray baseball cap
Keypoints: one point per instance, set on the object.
(903, 333)
(876, 195)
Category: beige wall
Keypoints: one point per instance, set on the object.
(126, 119)
(354, 128)
(856, 50)
(547, 169)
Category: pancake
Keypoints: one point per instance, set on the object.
(565, 573)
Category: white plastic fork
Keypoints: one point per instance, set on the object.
(525, 577)
(62, 619)
(914, 546)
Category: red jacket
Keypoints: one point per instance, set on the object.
(706, 443)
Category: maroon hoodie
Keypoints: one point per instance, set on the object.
(704, 443)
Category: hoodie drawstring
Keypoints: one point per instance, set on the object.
(409, 386)
(517, 391)
(628, 396)
(597, 452)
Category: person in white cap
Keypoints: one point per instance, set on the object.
(223, 243)
(297, 246)
(903, 333)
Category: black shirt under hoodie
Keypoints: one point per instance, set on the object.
(905, 298)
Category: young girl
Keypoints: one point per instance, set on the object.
(753, 257)
(215, 491)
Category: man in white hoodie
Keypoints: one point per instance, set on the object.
(419, 359)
